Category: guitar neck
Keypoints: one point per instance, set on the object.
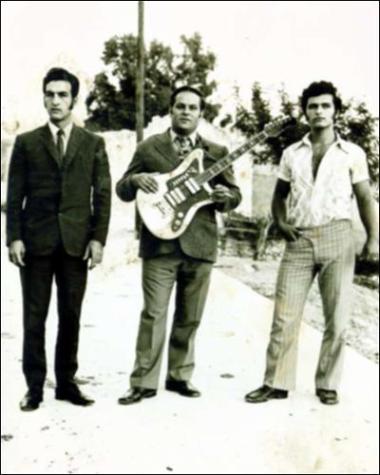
(225, 162)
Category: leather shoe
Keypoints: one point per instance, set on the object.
(30, 401)
(184, 388)
(265, 393)
(75, 396)
(327, 396)
(136, 395)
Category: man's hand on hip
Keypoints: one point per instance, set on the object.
(289, 232)
(94, 252)
(17, 253)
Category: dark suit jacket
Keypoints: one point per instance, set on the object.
(156, 154)
(49, 204)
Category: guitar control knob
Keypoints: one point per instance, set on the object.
(180, 215)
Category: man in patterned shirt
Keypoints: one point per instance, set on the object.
(319, 176)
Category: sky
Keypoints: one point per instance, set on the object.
(275, 43)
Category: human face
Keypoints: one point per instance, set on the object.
(186, 112)
(58, 101)
(320, 111)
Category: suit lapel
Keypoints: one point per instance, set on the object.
(165, 147)
(202, 143)
(49, 144)
(72, 147)
(74, 142)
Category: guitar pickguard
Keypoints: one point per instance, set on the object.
(192, 199)
(191, 172)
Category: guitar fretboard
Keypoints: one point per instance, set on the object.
(225, 162)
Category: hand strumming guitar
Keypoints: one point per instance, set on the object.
(145, 182)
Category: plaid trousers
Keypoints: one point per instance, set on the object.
(328, 251)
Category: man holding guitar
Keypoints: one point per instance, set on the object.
(184, 258)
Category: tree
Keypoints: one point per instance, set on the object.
(357, 124)
(111, 103)
(252, 122)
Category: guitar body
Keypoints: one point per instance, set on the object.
(169, 211)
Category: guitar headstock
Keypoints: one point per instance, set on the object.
(276, 126)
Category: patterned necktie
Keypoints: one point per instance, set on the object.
(60, 145)
(183, 146)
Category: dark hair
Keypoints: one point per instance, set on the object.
(187, 89)
(319, 88)
(60, 74)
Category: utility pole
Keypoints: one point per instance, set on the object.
(140, 75)
(139, 94)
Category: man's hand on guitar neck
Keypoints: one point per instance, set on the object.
(145, 181)
(221, 194)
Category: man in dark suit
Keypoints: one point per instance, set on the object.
(185, 261)
(58, 210)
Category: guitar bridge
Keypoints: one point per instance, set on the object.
(163, 207)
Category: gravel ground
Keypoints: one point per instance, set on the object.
(363, 330)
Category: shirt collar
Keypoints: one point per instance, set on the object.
(192, 137)
(342, 143)
(54, 129)
(338, 141)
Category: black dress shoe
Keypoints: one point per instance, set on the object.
(136, 395)
(184, 388)
(30, 401)
(265, 393)
(75, 396)
(327, 396)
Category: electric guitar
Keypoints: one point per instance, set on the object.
(168, 211)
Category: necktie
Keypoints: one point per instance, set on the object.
(183, 146)
(60, 145)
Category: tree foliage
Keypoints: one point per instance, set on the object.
(112, 102)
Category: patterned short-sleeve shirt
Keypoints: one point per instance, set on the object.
(328, 197)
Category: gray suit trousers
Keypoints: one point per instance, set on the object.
(327, 251)
(160, 274)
